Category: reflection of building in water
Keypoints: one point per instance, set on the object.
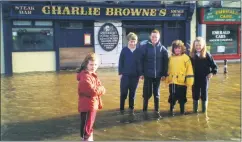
(73, 29)
(219, 23)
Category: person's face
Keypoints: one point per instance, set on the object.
(132, 43)
(92, 66)
(154, 37)
(177, 50)
(199, 46)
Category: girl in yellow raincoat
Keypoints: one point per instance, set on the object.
(180, 75)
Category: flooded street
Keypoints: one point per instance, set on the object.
(43, 106)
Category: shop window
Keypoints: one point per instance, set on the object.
(76, 25)
(32, 39)
(174, 24)
(222, 39)
(22, 23)
(43, 23)
(142, 33)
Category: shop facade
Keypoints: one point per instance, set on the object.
(221, 27)
(50, 36)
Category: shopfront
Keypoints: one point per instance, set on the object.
(50, 36)
(221, 28)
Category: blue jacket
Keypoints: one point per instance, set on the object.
(154, 60)
(129, 62)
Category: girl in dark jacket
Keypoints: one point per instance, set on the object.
(204, 68)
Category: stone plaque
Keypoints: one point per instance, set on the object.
(108, 37)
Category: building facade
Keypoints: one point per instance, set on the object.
(50, 36)
(220, 25)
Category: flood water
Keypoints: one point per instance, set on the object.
(43, 106)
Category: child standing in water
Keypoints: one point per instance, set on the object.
(129, 69)
(204, 69)
(89, 92)
(180, 75)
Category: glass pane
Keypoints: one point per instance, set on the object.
(32, 39)
(222, 39)
(22, 23)
(43, 23)
(71, 25)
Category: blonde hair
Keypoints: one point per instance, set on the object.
(155, 31)
(177, 43)
(193, 48)
(132, 36)
(90, 57)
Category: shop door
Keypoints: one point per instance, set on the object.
(174, 31)
(72, 48)
(143, 33)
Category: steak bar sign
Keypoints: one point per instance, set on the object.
(108, 37)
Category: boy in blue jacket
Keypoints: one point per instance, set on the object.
(154, 61)
(129, 69)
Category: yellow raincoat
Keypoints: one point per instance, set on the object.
(180, 70)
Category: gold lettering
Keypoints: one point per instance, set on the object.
(226, 16)
(96, 11)
(153, 12)
(109, 11)
(162, 12)
(75, 10)
(223, 11)
(89, 11)
(58, 10)
(66, 11)
(145, 12)
(126, 12)
(118, 12)
(46, 9)
(83, 12)
(135, 12)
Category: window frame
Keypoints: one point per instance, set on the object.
(32, 26)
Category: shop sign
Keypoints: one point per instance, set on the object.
(108, 37)
(98, 12)
(222, 15)
(221, 41)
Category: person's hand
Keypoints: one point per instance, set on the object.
(120, 76)
(209, 76)
(141, 77)
(103, 90)
(163, 78)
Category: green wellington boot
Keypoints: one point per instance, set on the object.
(204, 106)
(195, 106)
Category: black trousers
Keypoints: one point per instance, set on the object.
(177, 93)
(129, 85)
(151, 86)
(200, 89)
